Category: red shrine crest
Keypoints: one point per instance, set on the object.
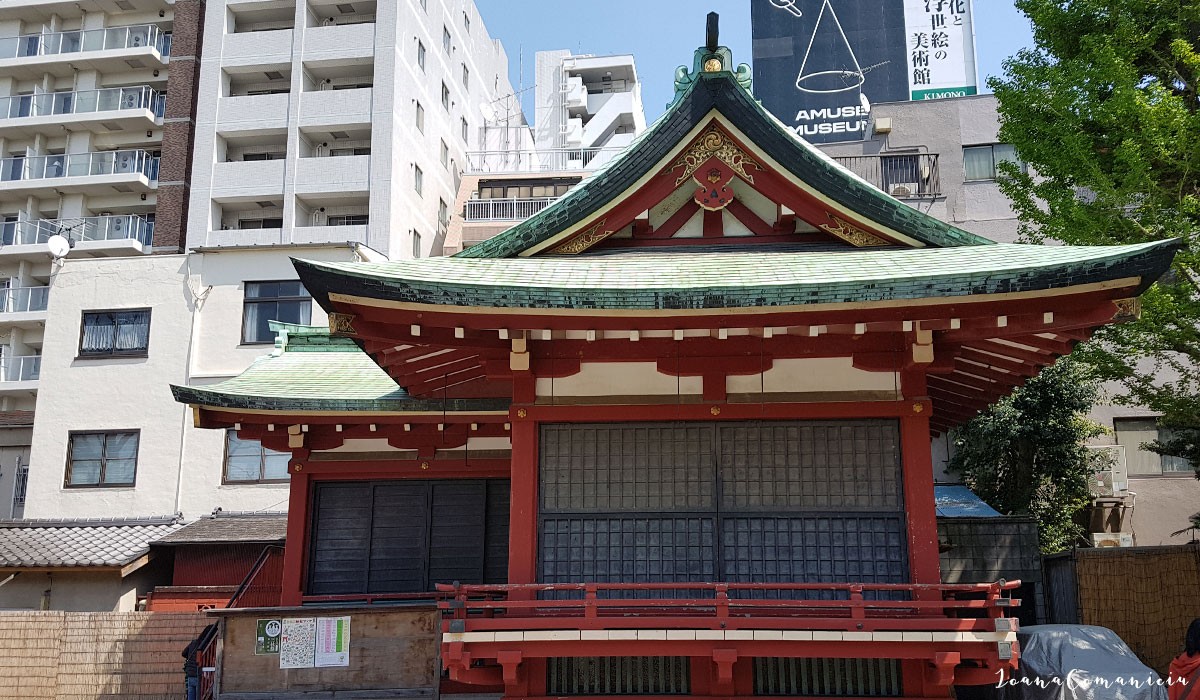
(714, 179)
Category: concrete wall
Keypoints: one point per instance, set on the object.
(14, 454)
(390, 650)
(943, 127)
(82, 591)
(195, 338)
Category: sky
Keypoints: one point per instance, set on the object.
(662, 34)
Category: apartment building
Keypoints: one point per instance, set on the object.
(323, 131)
(322, 120)
(95, 141)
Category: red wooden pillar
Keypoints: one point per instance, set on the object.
(919, 502)
(522, 531)
(297, 531)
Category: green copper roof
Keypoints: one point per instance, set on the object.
(736, 277)
(313, 371)
(723, 92)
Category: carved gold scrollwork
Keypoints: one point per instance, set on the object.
(714, 143)
(341, 324)
(585, 240)
(851, 234)
(1127, 310)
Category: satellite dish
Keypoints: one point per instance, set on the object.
(488, 112)
(58, 246)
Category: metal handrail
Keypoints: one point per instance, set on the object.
(79, 165)
(901, 175)
(20, 368)
(77, 41)
(547, 160)
(269, 564)
(502, 209)
(83, 102)
(88, 228)
(16, 300)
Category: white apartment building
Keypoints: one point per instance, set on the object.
(586, 101)
(323, 130)
(90, 98)
(336, 120)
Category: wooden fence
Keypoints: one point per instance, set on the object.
(94, 656)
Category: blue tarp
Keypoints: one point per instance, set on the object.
(961, 502)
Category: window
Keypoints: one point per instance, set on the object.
(446, 41)
(467, 22)
(466, 77)
(981, 162)
(445, 97)
(264, 156)
(466, 130)
(286, 301)
(444, 154)
(269, 222)
(115, 333)
(349, 220)
(355, 151)
(443, 215)
(421, 54)
(420, 118)
(247, 461)
(1135, 432)
(418, 179)
(102, 458)
(416, 244)
(425, 5)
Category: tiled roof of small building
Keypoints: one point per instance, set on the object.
(737, 277)
(314, 371)
(79, 543)
(230, 527)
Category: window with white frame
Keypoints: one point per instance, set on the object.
(982, 162)
(418, 179)
(248, 462)
(421, 55)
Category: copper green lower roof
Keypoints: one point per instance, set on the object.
(738, 277)
(313, 371)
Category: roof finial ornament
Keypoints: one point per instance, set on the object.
(712, 58)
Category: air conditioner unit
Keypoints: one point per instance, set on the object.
(117, 224)
(129, 101)
(904, 189)
(1112, 539)
(1113, 479)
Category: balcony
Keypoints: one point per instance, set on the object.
(20, 372)
(105, 50)
(478, 210)
(92, 173)
(902, 175)
(544, 161)
(121, 234)
(110, 109)
(963, 631)
(24, 300)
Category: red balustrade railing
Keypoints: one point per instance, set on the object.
(802, 606)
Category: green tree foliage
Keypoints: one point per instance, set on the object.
(1105, 111)
(1025, 454)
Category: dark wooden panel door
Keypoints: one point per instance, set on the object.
(407, 536)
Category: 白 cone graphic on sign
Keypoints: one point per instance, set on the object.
(829, 64)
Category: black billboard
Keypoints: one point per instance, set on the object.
(819, 65)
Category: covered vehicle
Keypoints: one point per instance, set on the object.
(1073, 662)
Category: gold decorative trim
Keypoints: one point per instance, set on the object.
(852, 234)
(341, 324)
(1127, 310)
(585, 240)
(715, 144)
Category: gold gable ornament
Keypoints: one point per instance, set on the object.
(585, 240)
(715, 144)
(852, 234)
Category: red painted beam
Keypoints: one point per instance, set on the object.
(1033, 357)
(711, 412)
(749, 219)
(1013, 366)
(1056, 347)
(671, 226)
(714, 226)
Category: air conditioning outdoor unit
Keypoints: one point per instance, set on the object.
(1113, 479)
(1112, 539)
(904, 189)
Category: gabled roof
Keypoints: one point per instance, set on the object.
(107, 543)
(722, 93)
(230, 528)
(310, 370)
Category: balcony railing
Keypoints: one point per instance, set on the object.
(89, 228)
(505, 209)
(79, 41)
(548, 160)
(902, 175)
(18, 300)
(79, 165)
(83, 102)
(21, 368)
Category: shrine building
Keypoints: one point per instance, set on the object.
(671, 435)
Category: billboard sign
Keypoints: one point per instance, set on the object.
(820, 64)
